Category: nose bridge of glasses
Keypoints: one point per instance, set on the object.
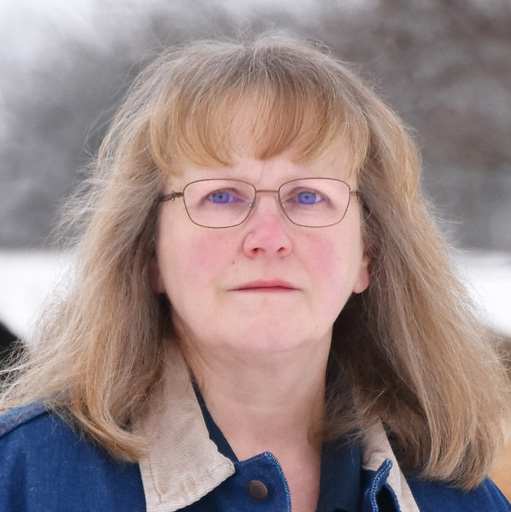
(258, 192)
(255, 202)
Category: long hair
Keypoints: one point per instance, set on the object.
(409, 348)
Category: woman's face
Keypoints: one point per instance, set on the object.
(266, 285)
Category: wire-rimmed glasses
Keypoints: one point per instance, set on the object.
(224, 203)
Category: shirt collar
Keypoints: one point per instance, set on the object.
(181, 463)
(215, 434)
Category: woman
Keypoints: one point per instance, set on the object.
(263, 315)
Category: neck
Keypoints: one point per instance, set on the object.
(271, 402)
(265, 403)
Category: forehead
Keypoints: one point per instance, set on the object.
(269, 173)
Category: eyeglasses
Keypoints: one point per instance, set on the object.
(224, 203)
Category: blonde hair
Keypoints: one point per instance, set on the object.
(410, 348)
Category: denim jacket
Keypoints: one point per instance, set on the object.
(46, 465)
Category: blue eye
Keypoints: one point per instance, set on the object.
(229, 196)
(221, 197)
(308, 198)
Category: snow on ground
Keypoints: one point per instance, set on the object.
(27, 279)
(488, 278)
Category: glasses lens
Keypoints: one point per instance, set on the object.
(315, 202)
(218, 203)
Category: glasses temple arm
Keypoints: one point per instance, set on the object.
(171, 196)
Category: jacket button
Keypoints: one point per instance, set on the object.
(257, 490)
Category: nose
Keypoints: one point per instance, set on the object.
(267, 229)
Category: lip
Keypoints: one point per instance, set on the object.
(275, 285)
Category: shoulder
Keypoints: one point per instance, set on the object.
(29, 429)
(15, 418)
(35, 432)
(45, 464)
(434, 497)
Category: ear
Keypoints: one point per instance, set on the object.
(155, 277)
(364, 277)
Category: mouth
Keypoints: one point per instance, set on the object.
(274, 286)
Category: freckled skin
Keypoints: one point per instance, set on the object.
(201, 269)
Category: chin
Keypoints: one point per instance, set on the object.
(275, 341)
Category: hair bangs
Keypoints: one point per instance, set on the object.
(259, 111)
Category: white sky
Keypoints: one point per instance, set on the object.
(28, 25)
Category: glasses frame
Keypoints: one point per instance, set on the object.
(172, 196)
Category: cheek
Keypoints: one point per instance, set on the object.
(334, 262)
(207, 253)
(191, 259)
(320, 255)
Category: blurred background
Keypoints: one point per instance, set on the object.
(444, 65)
